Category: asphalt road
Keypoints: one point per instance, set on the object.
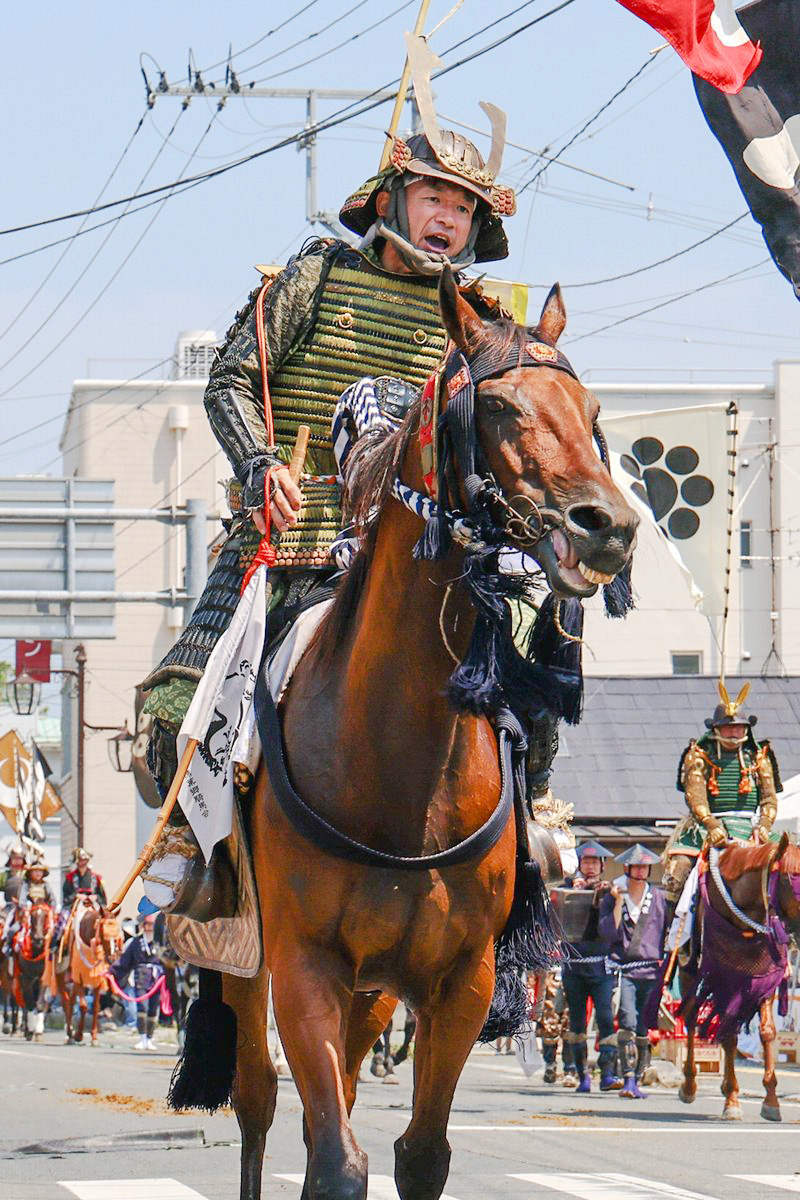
(512, 1138)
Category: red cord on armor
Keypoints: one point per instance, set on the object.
(265, 554)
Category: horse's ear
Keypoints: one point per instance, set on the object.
(780, 849)
(460, 320)
(554, 315)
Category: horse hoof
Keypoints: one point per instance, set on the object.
(732, 1112)
(7, 1027)
(686, 1097)
(391, 1078)
(769, 1113)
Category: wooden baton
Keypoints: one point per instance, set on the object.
(299, 452)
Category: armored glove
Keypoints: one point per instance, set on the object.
(769, 798)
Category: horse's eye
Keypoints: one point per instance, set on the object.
(494, 404)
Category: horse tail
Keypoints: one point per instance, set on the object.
(203, 1077)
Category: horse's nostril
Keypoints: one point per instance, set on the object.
(589, 518)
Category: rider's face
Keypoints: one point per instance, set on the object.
(36, 876)
(16, 861)
(439, 220)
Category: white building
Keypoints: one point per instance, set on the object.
(152, 438)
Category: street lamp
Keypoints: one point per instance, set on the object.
(120, 750)
(23, 694)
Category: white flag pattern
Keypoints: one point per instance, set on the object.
(673, 466)
(221, 718)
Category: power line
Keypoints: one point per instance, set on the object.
(308, 38)
(650, 58)
(113, 278)
(94, 257)
(661, 261)
(663, 304)
(338, 118)
(78, 231)
(353, 38)
(270, 33)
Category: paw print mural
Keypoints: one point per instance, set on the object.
(670, 482)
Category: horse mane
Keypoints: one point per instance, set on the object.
(371, 470)
(790, 860)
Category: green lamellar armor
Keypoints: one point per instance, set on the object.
(331, 317)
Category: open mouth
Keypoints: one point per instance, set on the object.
(437, 243)
(566, 574)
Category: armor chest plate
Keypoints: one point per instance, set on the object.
(738, 790)
(367, 324)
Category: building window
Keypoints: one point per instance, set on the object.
(746, 544)
(687, 664)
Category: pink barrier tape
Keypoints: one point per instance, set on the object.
(166, 1002)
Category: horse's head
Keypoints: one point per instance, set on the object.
(110, 935)
(554, 496)
(36, 926)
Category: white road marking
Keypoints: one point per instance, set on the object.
(130, 1189)
(381, 1187)
(645, 1127)
(610, 1186)
(33, 1054)
(787, 1183)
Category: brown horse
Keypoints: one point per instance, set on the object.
(92, 942)
(32, 963)
(724, 981)
(377, 749)
(8, 994)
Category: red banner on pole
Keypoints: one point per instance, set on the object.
(34, 659)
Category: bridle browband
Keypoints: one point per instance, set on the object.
(449, 434)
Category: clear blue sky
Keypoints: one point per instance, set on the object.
(76, 94)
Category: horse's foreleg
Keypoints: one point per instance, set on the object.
(255, 1084)
(770, 1109)
(313, 997)
(66, 1005)
(730, 1084)
(688, 1089)
(79, 995)
(95, 1014)
(446, 1032)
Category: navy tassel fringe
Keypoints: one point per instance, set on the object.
(203, 1077)
(531, 941)
(618, 595)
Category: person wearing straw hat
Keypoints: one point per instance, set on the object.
(730, 782)
(335, 314)
(589, 980)
(632, 922)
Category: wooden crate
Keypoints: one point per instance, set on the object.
(788, 1043)
(707, 1056)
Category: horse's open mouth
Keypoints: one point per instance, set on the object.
(566, 574)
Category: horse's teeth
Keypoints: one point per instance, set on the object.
(594, 576)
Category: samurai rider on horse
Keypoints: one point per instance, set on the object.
(414, 770)
(730, 781)
(333, 315)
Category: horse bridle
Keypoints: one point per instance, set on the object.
(450, 434)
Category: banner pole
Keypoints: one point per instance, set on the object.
(400, 98)
(732, 450)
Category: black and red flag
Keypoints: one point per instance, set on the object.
(706, 34)
(759, 129)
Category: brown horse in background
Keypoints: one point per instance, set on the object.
(92, 941)
(33, 965)
(374, 746)
(761, 881)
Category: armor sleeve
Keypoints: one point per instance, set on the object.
(68, 889)
(768, 793)
(233, 400)
(99, 890)
(695, 786)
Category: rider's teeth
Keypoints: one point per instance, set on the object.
(594, 576)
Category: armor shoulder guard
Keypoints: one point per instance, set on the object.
(765, 747)
(311, 250)
(680, 780)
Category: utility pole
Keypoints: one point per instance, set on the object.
(234, 90)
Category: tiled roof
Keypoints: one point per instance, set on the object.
(620, 763)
